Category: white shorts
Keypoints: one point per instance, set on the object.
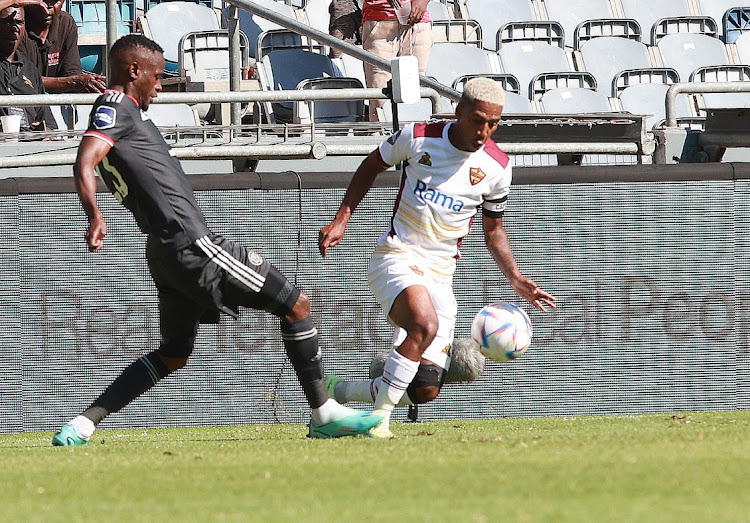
(389, 274)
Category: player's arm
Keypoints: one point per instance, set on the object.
(332, 234)
(499, 246)
(90, 153)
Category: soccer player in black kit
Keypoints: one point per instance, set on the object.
(197, 273)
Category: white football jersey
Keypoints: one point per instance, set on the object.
(441, 189)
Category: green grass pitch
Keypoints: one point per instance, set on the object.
(662, 467)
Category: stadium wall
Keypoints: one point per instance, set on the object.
(650, 270)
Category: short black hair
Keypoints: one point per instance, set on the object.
(130, 42)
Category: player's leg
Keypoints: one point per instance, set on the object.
(254, 282)
(179, 324)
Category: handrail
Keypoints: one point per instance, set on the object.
(341, 45)
(292, 95)
(694, 88)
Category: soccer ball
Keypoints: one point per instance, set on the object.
(501, 331)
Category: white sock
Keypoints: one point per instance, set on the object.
(329, 411)
(84, 427)
(364, 391)
(398, 373)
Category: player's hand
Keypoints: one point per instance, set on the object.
(95, 234)
(418, 7)
(91, 83)
(531, 292)
(330, 236)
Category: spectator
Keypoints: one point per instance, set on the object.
(346, 22)
(385, 36)
(18, 75)
(51, 44)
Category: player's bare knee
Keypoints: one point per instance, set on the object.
(301, 309)
(424, 331)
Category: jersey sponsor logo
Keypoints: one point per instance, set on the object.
(392, 138)
(425, 160)
(105, 117)
(53, 58)
(424, 193)
(476, 175)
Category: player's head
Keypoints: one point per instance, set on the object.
(11, 30)
(477, 114)
(137, 64)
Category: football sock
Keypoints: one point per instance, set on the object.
(301, 343)
(398, 373)
(84, 427)
(364, 391)
(137, 378)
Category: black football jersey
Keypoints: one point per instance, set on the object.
(142, 173)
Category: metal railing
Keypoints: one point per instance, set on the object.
(697, 88)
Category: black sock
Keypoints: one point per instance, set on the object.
(137, 378)
(301, 344)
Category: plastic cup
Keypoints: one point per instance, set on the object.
(11, 126)
(403, 12)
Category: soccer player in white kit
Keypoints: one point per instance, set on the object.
(450, 170)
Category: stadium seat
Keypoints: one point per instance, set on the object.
(606, 56)
(647, 12)
(284, 69)
(493, 14)
(650, 99)
(742, 44)
(716, 9)
(168, 22)
(333, 110)
(253, 25)
(459, 31)
(508, 81)
(574, 101)
(686, 52)
(544, 82)
(539, 31)
(528, 59)
(723, 73)
(204, 56)
(438, 11)
(618, 27)
(570, 14)
(274, 39)
(736, 22)
(350, 67)
(449, 60)
(704, 25)
(91, 16)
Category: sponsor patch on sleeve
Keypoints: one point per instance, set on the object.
(105, 117)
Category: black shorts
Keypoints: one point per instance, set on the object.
(210, 276)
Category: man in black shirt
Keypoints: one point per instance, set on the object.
(197, 274)
(17, 75)
(51, 44)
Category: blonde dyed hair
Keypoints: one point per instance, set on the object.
(483, 90)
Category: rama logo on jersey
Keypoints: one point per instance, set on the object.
(428, 194)
(105, 117)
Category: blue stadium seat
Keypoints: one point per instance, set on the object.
(736, 22)
(717, 8)
(253, 25)
(91, 16)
